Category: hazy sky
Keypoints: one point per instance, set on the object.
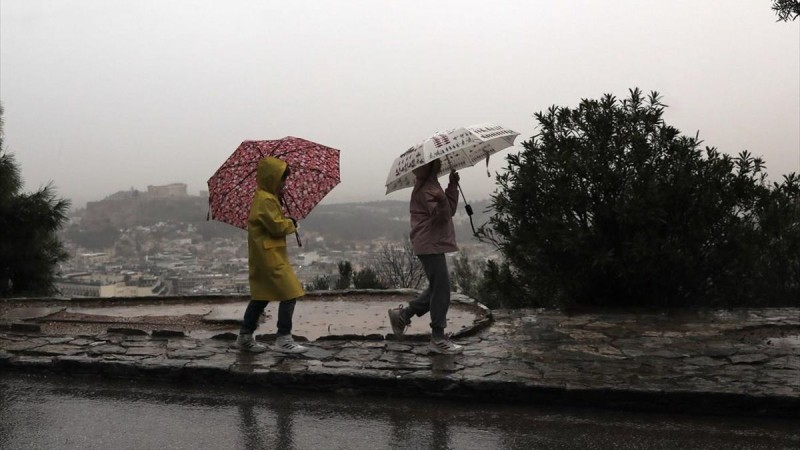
(105, 95)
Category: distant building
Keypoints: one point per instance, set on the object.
(86, 284)
(308, 258)
(168, 190)
(209, 283)
(93, 258)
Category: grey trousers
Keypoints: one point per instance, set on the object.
(436, 298)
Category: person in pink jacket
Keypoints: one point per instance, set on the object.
(432, 235)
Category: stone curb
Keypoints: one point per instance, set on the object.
(729, 363)
(399, 385)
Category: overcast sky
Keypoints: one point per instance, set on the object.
(105, 95)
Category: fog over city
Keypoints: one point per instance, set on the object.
(108, 95)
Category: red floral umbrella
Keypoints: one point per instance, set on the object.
(314, 173)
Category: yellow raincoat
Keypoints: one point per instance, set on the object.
(271, 276)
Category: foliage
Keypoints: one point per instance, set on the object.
(345, 275)
(777, 251)
(361, 279)
(29, 247)
(786, 9)
(320, 283)
(367, 279)
(500, 288)
(464, 277)
(608, 205)
(490, 283)
(398, 267)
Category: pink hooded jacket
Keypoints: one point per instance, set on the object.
(432, 211)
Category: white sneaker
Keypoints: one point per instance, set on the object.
(445, 347)
(286, 344)
(245, 342)
(399, 325)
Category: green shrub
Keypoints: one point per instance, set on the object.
(609, 206)
(367, 279)
(320, 283)
(30, 250)
(345, 275)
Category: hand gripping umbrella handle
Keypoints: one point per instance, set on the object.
(467, 206)
(294, 222)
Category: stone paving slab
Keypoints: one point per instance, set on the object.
(743, 362)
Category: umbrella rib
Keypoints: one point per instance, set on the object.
(242, 180)
(249, 162)
(274, 150)
(291, 199)
(232, 166)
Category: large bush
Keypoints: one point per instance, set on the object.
(607, 205)
(29, 248)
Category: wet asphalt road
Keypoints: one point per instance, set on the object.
(53, 412)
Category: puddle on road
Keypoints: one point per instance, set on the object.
(29, 313)
(142, 310)
(784, 342)
(314, 317)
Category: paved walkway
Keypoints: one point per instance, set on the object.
(729, 362)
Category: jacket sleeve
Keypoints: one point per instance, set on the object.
(271, 218)
(438, 205)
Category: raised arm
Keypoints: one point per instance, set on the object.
(271, 218)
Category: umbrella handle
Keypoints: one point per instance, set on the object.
(297, 236)
(468, 208)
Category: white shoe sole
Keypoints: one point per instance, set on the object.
(260, 349)
(290, 351)
(438, 351)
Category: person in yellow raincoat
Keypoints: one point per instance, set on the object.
(271, 276)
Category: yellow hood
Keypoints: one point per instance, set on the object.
(269, 173)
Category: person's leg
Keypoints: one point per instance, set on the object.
(422, 304)
(251, 316)
(440, 303)
(284, 342)
(436, 268)
(285, 313)
(417, 307)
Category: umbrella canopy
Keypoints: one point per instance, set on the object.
(457, 149)
(314, 173)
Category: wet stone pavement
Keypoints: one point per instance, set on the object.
(733, 362)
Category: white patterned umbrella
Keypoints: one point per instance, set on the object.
(457, 149)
